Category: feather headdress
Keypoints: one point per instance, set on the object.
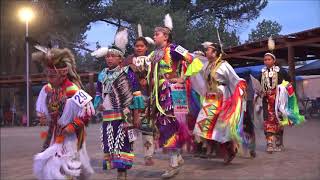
(271, 47)
(121, 39)
(208, 44)
(57, 61)
(168, 25)
(168, 22)
(100, 52)
(140, 34)
(140, 31)
(119, 46)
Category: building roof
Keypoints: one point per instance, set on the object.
(306, 45)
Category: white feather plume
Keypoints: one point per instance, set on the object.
(206, 44)
(271, 44)
(41, 48)
(149, 40)
(121, 39)
(140, 31)
(100, 52)
(168, 21)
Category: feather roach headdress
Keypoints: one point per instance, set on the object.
(57, 61)
(119, 46)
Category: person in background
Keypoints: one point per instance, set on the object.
(139, 64)
(280, 106)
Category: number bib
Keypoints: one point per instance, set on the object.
(81, 98)
(132, 135)
(181, 50)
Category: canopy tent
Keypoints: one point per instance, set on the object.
(307, 86)
(246, 71)
(309, 69)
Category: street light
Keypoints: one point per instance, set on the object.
(26, 16)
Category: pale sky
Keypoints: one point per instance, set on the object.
(293, 15)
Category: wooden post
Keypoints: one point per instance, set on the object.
(291, 63)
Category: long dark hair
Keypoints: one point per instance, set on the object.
(170, 38)
(145, 42)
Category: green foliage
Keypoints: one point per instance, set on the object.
(265, 29)
(193, 21)
(65, 22)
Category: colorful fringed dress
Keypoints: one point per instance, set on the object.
(118, 93)
(221, 116)
(277, 94)
(140, 68)
(169, 99)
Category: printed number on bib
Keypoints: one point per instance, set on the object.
(81, 98)
(181, 50)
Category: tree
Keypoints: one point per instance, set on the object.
(188, 16)
(64, 22)
(265, 29)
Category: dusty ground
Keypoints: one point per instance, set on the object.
(301, 160)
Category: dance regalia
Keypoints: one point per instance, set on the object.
(118, 92)
(140, 69)
(221, 116)
(64, 151)
(140, 65)
(278, 97)
(169, 99)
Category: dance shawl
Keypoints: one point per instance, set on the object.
(287, 105)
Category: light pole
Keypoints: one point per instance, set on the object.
(26, 15)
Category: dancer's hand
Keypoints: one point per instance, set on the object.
(101, 107)
(42, 120)
(143, 82)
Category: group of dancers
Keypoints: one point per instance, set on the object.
(174, 97)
